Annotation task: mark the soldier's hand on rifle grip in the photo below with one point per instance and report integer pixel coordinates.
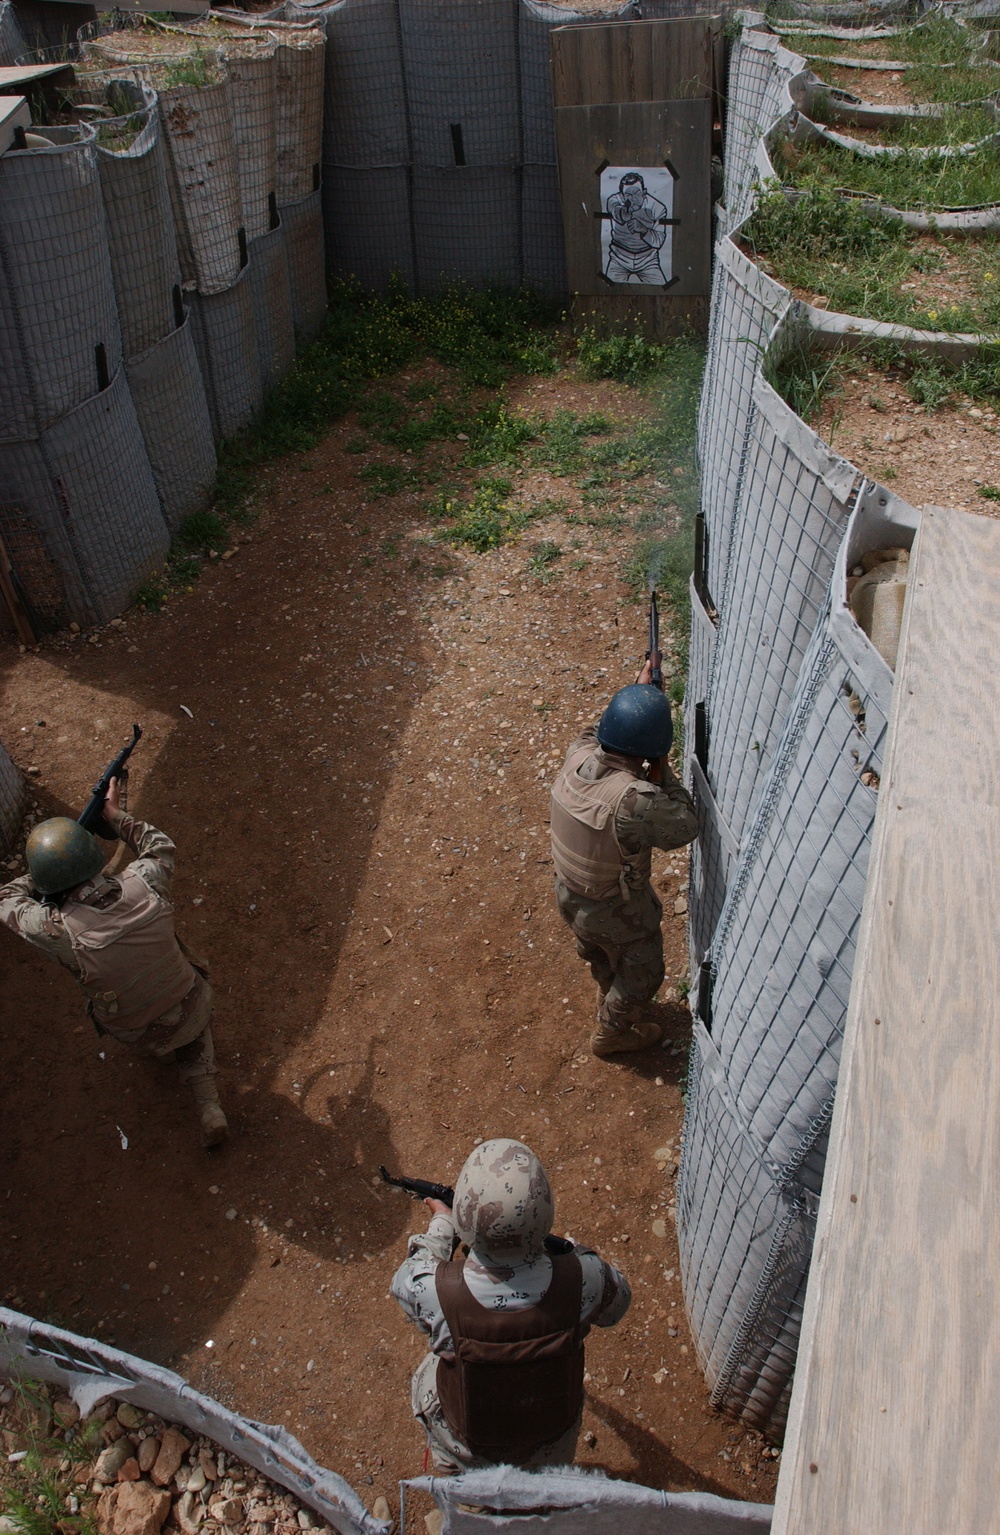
(649, 666)
(437, 1207)
(112, 800)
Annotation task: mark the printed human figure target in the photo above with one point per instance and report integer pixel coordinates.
(637, 206)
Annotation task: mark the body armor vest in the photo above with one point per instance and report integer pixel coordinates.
(131, 966)
(514, 1381)
(585, 848)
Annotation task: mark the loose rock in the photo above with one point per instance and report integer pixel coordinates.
(111, 1460)
(173, 1448)
(129, 1416)
(149, 1449)
(133, 1508)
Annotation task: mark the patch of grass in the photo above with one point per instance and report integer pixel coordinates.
(902, 181)
(193, 70)
(36, 1490)
(489, 519)
(803, 376)
(421, 389)
(931, 384)
(543, 556)
(497, 435)
(387, 480)
(990, 492)
(866, 263)
(562, 441)
(628, 358)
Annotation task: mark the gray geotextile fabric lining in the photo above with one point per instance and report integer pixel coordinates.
(462, 78)
(12, 800)
(172, 408)
(366, 119)
(12, 40)
(141, 235)
(366, 215)
(272, 306)
(225, 338)
(543, 251)
(467, 225)
(60, 339)
(303, 226)
(85, 490)
(204, 183)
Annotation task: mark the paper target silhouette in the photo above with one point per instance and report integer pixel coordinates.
(637, 206)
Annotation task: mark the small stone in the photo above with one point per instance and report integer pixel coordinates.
(74, 628)
(680, 906)
(381, 1509)
(129, 1416)
(173, 1448)
(148, 1451)
(230, 1215)
(659, 1228)
(226, 1510)
(66, 1411)
(229, 554)
(34, 772)
(196, 1480)
(308, 1520)
(590, 1438)
(112, 1431)
(129, 1472)
(207, 1463)
(110, 1461)
(189, 1513)
(133, 1508)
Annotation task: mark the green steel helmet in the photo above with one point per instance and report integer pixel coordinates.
(637, 722)
(61, 854)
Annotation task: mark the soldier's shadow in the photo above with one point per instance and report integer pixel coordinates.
(655, 1463)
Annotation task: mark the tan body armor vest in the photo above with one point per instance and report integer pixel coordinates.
(585, 849)
(514, 1381)
(131, 966)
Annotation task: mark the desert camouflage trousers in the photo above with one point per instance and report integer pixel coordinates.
(448, 1453)
(622, 943)
(182, 1035)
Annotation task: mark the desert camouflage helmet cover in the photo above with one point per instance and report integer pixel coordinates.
(503, 1205)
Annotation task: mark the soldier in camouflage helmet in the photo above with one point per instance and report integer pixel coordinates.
(116, 936)
(503, 1381)
(614, 800)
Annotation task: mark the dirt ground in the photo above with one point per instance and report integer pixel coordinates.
(930, 459)
(351, 740)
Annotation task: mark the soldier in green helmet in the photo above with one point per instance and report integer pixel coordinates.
(115, 934)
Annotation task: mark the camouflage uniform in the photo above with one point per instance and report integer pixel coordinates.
(181, 1032)
(618, 932)
(503, 1210)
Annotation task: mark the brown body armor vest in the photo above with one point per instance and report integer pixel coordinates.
(514, 1382)
(585, 848)
(131, 966)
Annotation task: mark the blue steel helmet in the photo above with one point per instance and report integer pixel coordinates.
(62, 855)
(637, 722)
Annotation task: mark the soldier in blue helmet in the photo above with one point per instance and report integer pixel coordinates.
(616, 799)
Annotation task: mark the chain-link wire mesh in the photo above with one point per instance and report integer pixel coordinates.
(12, 800)
(79, 512)
(785, 723)
(299, 64)
(439, 157)
(225, 338)
(745, 1245)
(272, 306)
(303, 226)
(792, 509)
(60, 340)
(12, 40)
(172, 408)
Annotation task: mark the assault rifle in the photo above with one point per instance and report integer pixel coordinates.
(93, 818)
(420, 1188)
(653, 653)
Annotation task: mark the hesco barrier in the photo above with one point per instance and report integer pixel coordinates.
(498, 1501)
(12, 799)
(303, 226)
(272, 306)
(12, 40)
(786, 712)
(89, 1371)
(225, 338)
(176, 426)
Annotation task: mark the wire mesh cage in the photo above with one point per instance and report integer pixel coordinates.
(303, 226)
(60, 339)
(225, 338)
(272, 306)
(13, 44)
(172, 409)
(12, 800)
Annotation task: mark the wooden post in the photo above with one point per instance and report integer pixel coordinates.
(896, 1403)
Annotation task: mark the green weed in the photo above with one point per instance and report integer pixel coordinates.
(497, 435)
(562, 441)
(803, 376)
(192, 70)
(543, 556)
(628, 358)
(489, 519)
(387, 480)
(990, 492)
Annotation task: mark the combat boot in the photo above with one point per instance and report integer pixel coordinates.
(214, 1127)
(607, 1040)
